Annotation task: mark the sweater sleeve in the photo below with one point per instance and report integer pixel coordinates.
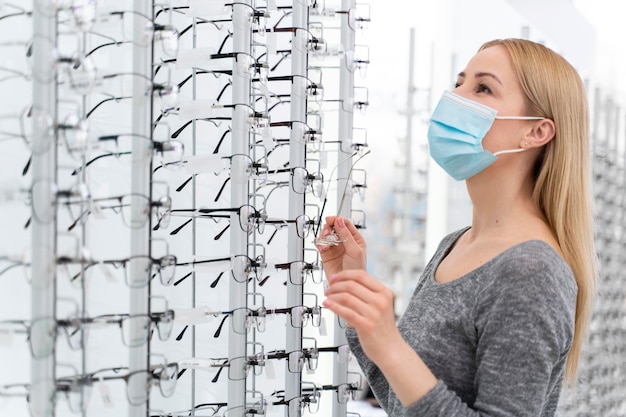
(524, 323)
(375, 378)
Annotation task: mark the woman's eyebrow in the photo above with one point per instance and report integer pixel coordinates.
(482, 74)
(488, 74)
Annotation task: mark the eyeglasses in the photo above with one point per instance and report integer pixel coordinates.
(214, 265)
(254, 168)
(333, 239)
(12, 391)
(345, 392)
(312, 133)
(77, 389)
(248, 216)
(123, 23)
(238, 368)
(314, 44)
(310, 356)
(198, 72)
(164, 267)
(12, 73)
(251, 218)
(13, 262)
(44, 408)
(240, 267)
(243, 319)
(9, 328)
(208, 110)
(72, 132)
(199, 164)
(45, 196)
(80, 71)
(212, 60)
(213, 121)
(138, 383)
(212, 408)
(167, 92)
(311, 394)
(77, 68)
(19, 11)
(33, 119)
(42, 332)
(193, 317)
(314, 90)
(300, 315)
(253, 406)
(300, 271)
(297, 359)
(170, 152)
(83, 12)
(303, 181)
(78, 269)
(358, 16)
(133, 216)
(310, 399)
(358, 219)
(208, 8)
(163, 323)
(303, 223)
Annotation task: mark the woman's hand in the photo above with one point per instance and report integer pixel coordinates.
(349, 253)
(367, 306)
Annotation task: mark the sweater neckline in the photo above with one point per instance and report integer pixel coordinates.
(454, 238)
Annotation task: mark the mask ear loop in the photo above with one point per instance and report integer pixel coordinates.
(516, 118)
(509, 151)
(520, 117)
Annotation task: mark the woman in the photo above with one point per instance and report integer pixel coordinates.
(499, 316)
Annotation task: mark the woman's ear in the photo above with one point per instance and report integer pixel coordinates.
(541, 133)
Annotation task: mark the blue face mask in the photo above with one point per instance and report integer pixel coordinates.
(457, 128)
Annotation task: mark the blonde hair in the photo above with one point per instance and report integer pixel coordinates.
(562, 188)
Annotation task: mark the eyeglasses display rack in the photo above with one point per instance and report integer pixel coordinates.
(172, 162)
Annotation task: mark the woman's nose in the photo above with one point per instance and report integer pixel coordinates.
(461, 90)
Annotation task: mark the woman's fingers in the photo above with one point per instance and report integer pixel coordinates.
(349, 301)
(358, 292)
(350, 294)
(330, 221)
(326, 230)
(348, 252)
(354, 232)
(349, 315)
(343, 227)
(351, 241)
(346, 230)
(365, 305)
(356, 276)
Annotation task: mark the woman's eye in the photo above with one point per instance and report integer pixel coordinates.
(457, 85)
(482, 88)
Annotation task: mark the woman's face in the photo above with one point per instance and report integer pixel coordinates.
(490, 79)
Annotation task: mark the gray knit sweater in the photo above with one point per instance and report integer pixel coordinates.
(497, 338)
